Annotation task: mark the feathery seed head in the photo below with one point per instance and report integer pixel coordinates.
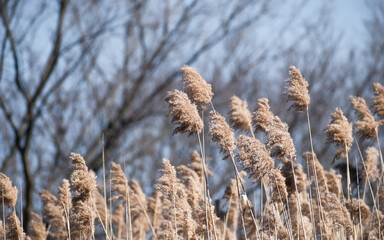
(83, 183)
(358, 208)
(65, 195)
(221, 133)
(184, 113)
(339, 132)
(378, 101)
(298, 90)
(240, 117)
(262, 115)
(37, 230)
(254, 157)
(197, 89)
(7, 192)
(279, 141)
(15, 231)
(366, 126)
(279, 192)
(371, 169)
(119, 182)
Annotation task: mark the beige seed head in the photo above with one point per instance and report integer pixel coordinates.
(279, 141)
(366, 126)
(197, 89)
(65, 195)
(378, 101)
(240, 117)
(339, 132)
(371, 162)
(358, 209)
(7, 192)
(15, 231)
(262, 115)
(254, 157)
(184, 113)
(221, 133)
(37, 230)
(297, 90)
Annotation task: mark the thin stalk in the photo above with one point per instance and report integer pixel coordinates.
(348, 174)
(207, 186)
(313, 220)
(315, 174)
(358, 196)
(241, 206)
(381, 154)
(370, 187)
(245, 194)
(105, 190)
(226, 219)
(204, 178)
(298, 200)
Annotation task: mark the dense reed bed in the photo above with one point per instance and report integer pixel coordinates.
(295, 200)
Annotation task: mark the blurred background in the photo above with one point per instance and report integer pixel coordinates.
(91, 76)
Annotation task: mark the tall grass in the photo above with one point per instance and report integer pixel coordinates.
(297, 201)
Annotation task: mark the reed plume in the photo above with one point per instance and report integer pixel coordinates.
(290, 177)
(83, 185)
(339, 132)
(8, 193)
(294, 213)
(297, 91)
(197, 89)
(254, 157)
(231, 194)
(366, 126)
(378, 101)
(334, 182)
(338, 214)
(221, 133)
(37, 230)
(321, 179)
(371, 170)
(240, 117)
(119, 182)
(279, 141)
(54, 215)
(65, 195)
(358, 209)
(14, 231)
(154, 209)
(3, 230)
(277, 181)
(184, 113)
(261, 115)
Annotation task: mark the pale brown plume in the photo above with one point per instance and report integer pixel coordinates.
(184, 113)
(8, 194)
(339, 132)
(37, 229)
(221, 133)
(378, 101)
(297, 91)
(198, 90)
(254, 157)
(366, 126)
(240, 117)
(83, 185)
(14, 231)
(262, 115)
(371, 162)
